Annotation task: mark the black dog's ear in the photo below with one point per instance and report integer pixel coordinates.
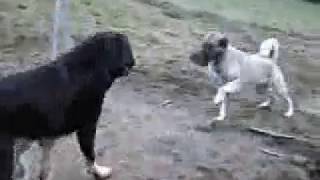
(223, 42)
(122, 37)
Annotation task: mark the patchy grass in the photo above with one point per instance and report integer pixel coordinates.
(284, 14)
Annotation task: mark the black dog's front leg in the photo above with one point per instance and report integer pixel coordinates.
(6, 157)
(86, 138)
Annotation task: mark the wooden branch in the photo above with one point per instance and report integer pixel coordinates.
(295, 159)
(272, 153)
(271, 133)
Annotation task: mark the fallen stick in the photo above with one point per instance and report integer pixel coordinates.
(295, 159)
(272, 133)
(272, 153)
(283, 136)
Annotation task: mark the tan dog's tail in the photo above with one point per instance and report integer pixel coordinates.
(269, 48)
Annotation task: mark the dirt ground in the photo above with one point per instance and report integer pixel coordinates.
(154, 124)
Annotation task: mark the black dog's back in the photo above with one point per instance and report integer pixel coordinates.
(31, 102)
(55, 99)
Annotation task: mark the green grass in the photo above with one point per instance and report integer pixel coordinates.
(90, 15)
(104, 15)
(283, 14)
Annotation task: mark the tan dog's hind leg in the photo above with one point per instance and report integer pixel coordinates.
(281, 87)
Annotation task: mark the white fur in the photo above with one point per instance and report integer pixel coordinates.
(223, 111)
(101, 171)
(239, 68)
(267, 46)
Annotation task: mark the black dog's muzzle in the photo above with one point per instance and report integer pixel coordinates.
(125, 71)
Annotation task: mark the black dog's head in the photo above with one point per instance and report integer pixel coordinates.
(213, 49)
(109, 52)
(117, 55)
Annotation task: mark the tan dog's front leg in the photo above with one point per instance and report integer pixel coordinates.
(222, 111)
(230, 87)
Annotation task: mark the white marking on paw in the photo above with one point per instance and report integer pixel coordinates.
(219, 118)
(264, 104)
(101, 171)
(288, 114)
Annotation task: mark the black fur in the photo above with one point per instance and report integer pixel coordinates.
(6, 157)
(271, 52)
(65, 96)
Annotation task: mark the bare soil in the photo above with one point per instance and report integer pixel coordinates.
(154, 124)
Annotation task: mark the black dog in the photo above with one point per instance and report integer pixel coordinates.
(66, 96)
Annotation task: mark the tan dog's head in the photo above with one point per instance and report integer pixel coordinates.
(213, 49)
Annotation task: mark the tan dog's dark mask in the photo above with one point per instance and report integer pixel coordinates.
(212, 50)
(199, 57)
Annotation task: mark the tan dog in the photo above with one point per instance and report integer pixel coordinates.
(230, 69)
